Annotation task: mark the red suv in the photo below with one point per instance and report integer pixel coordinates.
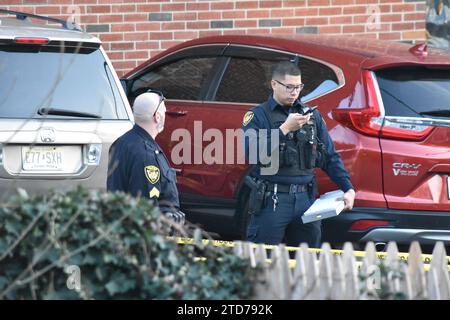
(386, 106)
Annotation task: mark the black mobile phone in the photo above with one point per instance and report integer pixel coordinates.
(310, 110)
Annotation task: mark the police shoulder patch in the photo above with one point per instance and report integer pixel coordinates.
(248, 117)
(152, 174)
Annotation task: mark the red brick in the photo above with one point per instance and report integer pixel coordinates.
(147, 45)
(385, 8)
(136, 55)
(26, 9)
(10, 2)
(124, 8)
(316, 21)
(390, 36)
(110, 1)
(222, 5)
(391, 17)
(174, 7)
(315, 3)
(419, 25)
(270, 4)
(177, 16)
(161, 35)
(231, 32)
(124, 65)
(108, 37)
(148, 26)
(48, 10)
(341, 20)
(414, 35)
(186, 35)
(116, 55)
(330, 29)
(362, 18)
(245, 23)
(148, 8)
(293, 22)
(294, 3)
(239, 14)
(402, 26)
(122, 45)
(78, 2)
(403, 7)
(110, 18)
(330, 11)
(197, 25)
(414, 16)
(246, 4)
(283, 30)
(136, 17)
(353, 29)
(169, 44)
(98, 9)
(258, 14)
(354, 10)
(208, 15)
(209, 33)
(173, 26)
(282, 13)
(60, 2)
(136, 36)
(197, 6)
(89, 19)
(306, 12)
(264, 32)
(122, 27)
(155, 52)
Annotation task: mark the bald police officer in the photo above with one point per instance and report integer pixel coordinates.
(137, 164)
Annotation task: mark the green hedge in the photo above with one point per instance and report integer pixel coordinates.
(118, 243)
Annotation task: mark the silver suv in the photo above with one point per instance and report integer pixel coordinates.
(61, 106)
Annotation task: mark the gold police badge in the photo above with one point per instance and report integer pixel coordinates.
(247, 118)
(152, 173)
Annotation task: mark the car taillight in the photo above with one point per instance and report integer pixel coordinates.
(362, 225)
(31, 40)
(371, 120)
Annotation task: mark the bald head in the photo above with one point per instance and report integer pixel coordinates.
(144, 106)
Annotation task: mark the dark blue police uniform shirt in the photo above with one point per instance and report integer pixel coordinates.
(137, 165)
(334, 166)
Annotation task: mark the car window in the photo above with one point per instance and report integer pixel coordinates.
(78, 82)
(182, 79)
(247, 80)
(410, 91)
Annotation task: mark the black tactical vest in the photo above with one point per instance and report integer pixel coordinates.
(298, 154)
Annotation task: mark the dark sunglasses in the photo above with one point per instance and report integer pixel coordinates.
(161, 98)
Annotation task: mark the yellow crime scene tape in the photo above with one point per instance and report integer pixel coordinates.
(426, 258)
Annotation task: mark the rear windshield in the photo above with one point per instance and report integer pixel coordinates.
(412, 92)
(78, 82)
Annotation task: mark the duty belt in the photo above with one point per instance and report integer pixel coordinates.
(294, 188)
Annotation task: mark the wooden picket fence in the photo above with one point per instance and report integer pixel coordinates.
(324, 275)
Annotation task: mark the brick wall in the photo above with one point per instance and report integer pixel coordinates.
(134, 30)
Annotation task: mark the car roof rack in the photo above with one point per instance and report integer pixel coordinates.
(24, 15)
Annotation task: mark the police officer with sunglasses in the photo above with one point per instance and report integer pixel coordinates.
(278, 199)
(138, 165)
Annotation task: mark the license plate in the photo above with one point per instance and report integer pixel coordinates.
(42, 158)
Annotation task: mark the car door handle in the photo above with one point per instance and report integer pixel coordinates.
(176, 113)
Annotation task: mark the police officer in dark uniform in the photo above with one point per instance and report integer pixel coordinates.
(278, 201)
(137, 164)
